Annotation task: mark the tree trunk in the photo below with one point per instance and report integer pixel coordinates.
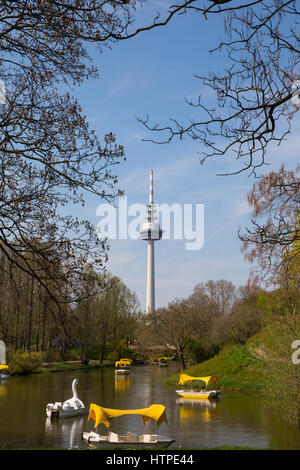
(101, 356)
(181, 359)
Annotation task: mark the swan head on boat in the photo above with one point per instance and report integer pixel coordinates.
(74, 388)
(73, 402)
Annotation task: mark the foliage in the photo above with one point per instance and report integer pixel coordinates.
(282, 379)
(235, 367)
(272, 243)
(199, 350)
(246, 319)
(51, 355)
(24, 363)
(215, 314)
(174, 325)
(108, 317)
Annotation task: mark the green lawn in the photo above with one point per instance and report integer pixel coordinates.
(235, 367)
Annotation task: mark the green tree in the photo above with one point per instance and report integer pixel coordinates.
(106, 315)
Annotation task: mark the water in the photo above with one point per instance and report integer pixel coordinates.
(237, 419)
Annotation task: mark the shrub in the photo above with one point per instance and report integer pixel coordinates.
(113, 356)
(199, 350)
(24, 363)
(51, 355)
(71, 355)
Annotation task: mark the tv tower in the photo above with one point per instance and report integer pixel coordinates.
(151, 231)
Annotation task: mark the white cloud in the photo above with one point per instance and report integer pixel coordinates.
(241, 208)
(120, 87)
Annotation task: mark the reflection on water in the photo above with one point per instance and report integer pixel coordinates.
(3, 389)
(236, 419)
(187, 412)
(67, 430)
(203, 409)
(122, 382)
(197, 402)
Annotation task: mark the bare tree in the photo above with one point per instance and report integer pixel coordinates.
(273, 239)
(273, 242)
(174, 325)
(255, 98)
(49, 157)
(215, 297)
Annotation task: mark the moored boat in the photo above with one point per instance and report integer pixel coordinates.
(130, 440)
(3, 368)
(104, 415)
(163, 361)
(198, 394)
(126, 360)
(122, 366)
(71, 407)
(201, 394)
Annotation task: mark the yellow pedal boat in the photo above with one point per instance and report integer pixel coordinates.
(200, 394)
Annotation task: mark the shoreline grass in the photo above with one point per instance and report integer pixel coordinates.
(236, 368)
(71, 365)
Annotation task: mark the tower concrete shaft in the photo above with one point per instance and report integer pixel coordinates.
(151, 231)
(150, 297)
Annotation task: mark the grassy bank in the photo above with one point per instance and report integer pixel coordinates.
(236, 368)
(71, 365)
(32, 363)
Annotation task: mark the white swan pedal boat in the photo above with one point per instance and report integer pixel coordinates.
(130, 440)
(198, 394)
(71, 407)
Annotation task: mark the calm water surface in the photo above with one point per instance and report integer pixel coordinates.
(237, 419)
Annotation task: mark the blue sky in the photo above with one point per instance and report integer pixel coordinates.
(151, 74)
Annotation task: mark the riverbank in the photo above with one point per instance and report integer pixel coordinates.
(236, 367)
(71, 365)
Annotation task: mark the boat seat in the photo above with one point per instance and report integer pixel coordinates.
(149, 438)
(132, 437)
(113, 437)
